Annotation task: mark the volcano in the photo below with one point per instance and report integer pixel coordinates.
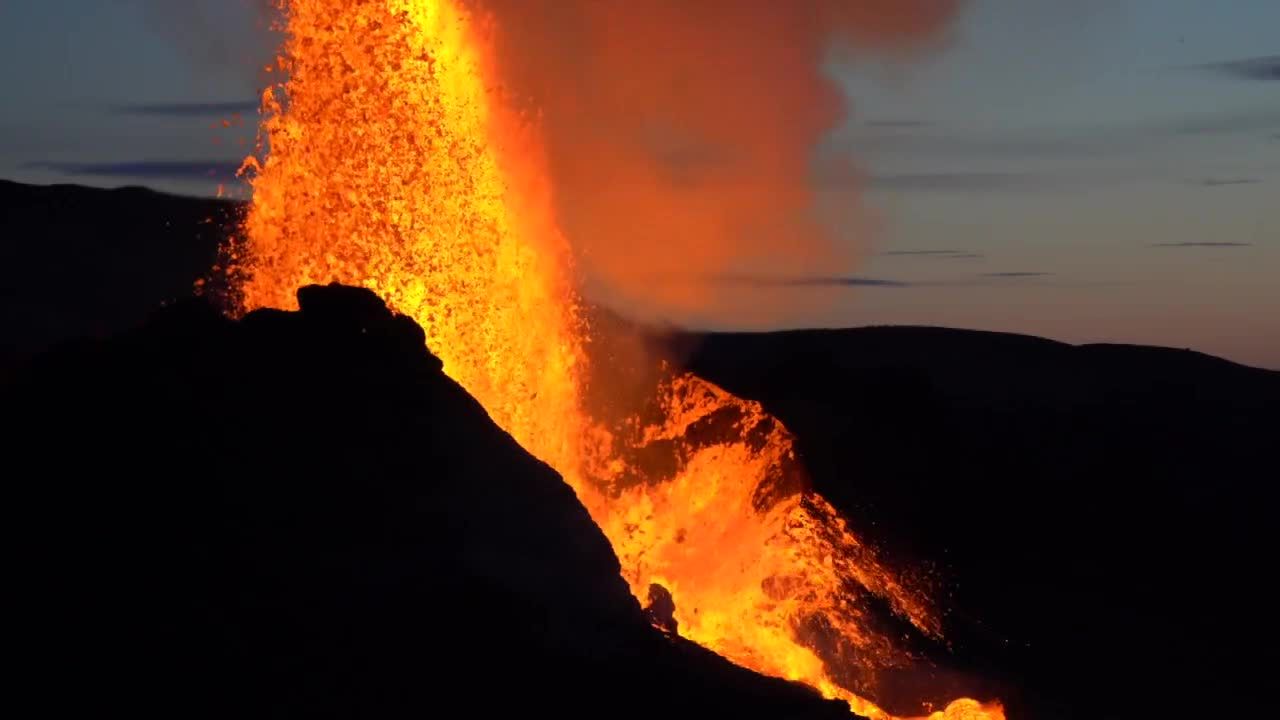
(1154, 460)
(396, 165)
(384, 550)
(408, 257)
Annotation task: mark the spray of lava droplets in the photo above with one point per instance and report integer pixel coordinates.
(392, 165)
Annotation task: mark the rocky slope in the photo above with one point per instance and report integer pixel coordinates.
(298, 514)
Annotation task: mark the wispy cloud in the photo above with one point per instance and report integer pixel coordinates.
(1264, 68)
(936, 254)
(955, 181)
(216, 170)
(960, 146)
(1226, 122)
(1214, 182)
(984, 280)
(810, 281)
(996, 280)
(189, 109)
(939, 141)
(1201, 245)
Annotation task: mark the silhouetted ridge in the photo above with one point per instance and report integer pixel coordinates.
(1099, 506)
(78, 261)
(298, 515)
(1098, 516)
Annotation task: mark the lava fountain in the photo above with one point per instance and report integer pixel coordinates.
(392, 162)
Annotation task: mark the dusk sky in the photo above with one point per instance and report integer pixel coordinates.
(1092, 171)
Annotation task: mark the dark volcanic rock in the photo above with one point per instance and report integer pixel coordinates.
(1098, 514)
(298, 514)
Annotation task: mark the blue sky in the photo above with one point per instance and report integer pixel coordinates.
(1099, 170)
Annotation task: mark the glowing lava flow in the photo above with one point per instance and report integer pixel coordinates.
(392, 166)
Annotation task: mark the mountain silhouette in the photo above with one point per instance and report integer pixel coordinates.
(297, 514)
(1098, 509)
(1096, 519)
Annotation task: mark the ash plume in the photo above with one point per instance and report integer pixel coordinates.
(680, 133)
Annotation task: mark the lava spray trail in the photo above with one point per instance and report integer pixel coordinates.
(396, 163)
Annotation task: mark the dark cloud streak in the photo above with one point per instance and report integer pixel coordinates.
(815, 281)
(960, 146)
(214, 170)
(189, 109)
(1211, 182)
(955, 181)
(1222, 123)
(1201, 245)
(936, 254)
(985, 280)
(1265, 68)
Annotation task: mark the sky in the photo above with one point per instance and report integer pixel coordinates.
(1093, 171)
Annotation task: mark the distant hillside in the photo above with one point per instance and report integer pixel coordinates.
(81, 261)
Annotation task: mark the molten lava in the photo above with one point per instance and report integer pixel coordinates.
(395, 164)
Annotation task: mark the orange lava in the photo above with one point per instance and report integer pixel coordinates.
(394, 165)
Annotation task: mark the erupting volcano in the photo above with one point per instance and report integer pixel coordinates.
(395, 159)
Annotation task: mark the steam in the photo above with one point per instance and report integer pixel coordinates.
(680, 133)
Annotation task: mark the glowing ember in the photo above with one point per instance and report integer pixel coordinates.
(392, 165)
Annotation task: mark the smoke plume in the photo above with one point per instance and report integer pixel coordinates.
(680, 133)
